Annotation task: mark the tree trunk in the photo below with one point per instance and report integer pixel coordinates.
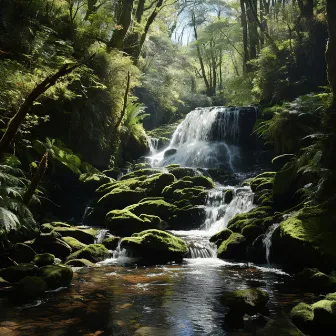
(252, 28)
(36, 180)
(125, 8)
(15, 123)
(244, 26)
(331, 48)
(125, 100)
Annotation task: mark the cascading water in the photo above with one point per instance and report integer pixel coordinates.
(206, 138)
(267, 241)
(153, 144)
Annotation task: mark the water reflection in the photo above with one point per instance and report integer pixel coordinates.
(169, 300)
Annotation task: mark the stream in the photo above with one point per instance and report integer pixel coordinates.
(119, 297)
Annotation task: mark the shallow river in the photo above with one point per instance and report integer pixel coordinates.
(115, 299)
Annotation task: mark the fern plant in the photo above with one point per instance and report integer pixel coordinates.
(14, 214)
(134, 115)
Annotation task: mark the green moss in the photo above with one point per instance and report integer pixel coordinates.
(80, 263)
(195, 196)
(164, 131)
(119, 198)
(141, 172)
(86, 236)
(325, 316)
(31, 287)
(262, 181)
(74, 243)
(180, 172)
(302, 316)
(158, 208)
(173, 165)
(56, 276)
(49, 227)
(331, 297)
(180, 184)
(92, 252)
(233, 248)
(44, 259)
(282, 327)
(187, 217)
(219, 237)
(156, 244)
(200, 181)
(111, 243)
(93, 181)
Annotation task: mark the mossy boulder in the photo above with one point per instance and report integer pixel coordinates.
(246, 301)
(302, 316)
(79, 263)
(85, 236)
(155, 207)
(200, 181)
(169, 152)
(156, 246)
(92, 252)
(221, 236)
(168, 191)
(228, 196)
(195, 196)
(325, 316)
(280, 326)
(306, 239)
(30, 287)
(125, 222)
(111, 243)
(49, 227)
(233, 248)
(187, 218)
(56, 276)
(21, 253)
(73, 243)
(262, 181)
(50, 244)
(44, 259)
(141, 172)
(180, 172)
(16, 273)
(94, 181)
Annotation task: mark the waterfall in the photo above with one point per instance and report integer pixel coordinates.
(267, 241)
(153, 144)
(86, 211)
(101, 235)
(206, 138)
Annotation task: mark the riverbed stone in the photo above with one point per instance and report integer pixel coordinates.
(56, 275)
(125, 222)
(92, 252)
(233, 248)
(156, 246)
(221, 236)
(79, 263)
(44, 259)
(85, 236)
(16, 273)
(141, 172)
(200, 181)
(21, 253)
(280, 326)
(180, 172)
(49, 244)
(302, 316)
(111, 242)
(73, 243)
(30, 287)
(169, 152)
(188, 217)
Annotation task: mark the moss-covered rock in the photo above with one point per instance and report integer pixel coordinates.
(44, 259)
(30, 287)
(111, 243)
(4, 283)
(79, 263)
(85, 236)
(180, 172)
(302, 316)
(21, 253)
(228, 196)
(187, 217)
(56, 276)
(325, 316)
(156, 246)
(262, 181)
(141, 172)
(94, 181)
(195, 196)
(169, 152)
(306, 239)
(16, 273)
(50, 244)
(233, 248)
(280, 326)
(154, 207)
(221, 236)
(246, 301)
(92, 252)
(200, 181)
(125, 222)
(49, 227)
(168, 191)
(73, 243)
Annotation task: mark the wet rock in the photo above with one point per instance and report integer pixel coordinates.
(80, 263)
(50, 244)
(56, 276)
(325, 316)
(187, 218)
(246, 301)
(302, 316)
(73, 243)
(156, 246)
(92, 252)
(180, 172)
(30, 287)
(233, 248)
(44, 259)
(111, 243)
(21, 253)
(228, 197)
(169, 152)
(280, 326)
(16, 273)
(85, 236)
(221, 236)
